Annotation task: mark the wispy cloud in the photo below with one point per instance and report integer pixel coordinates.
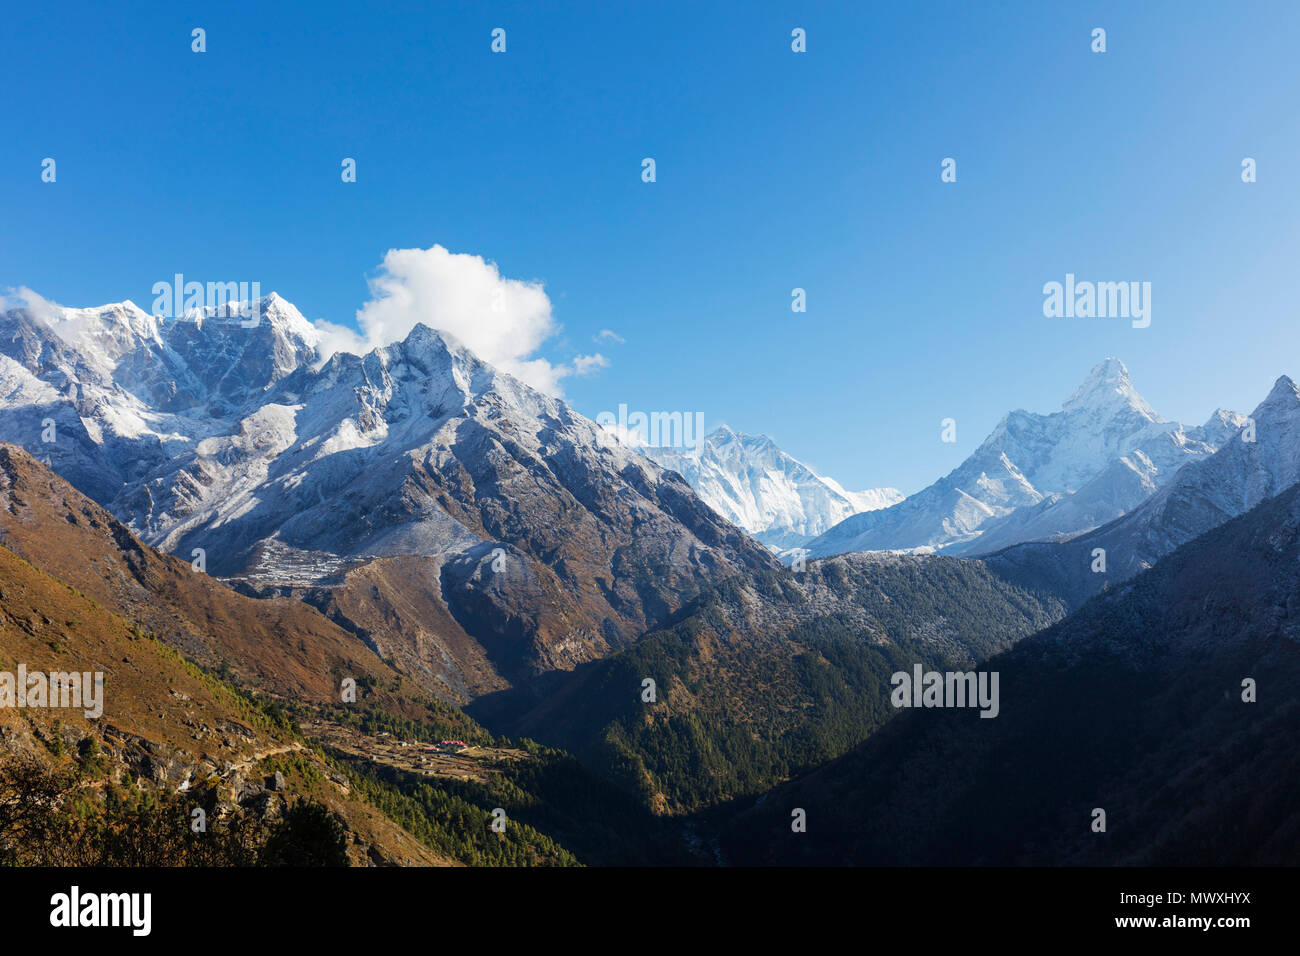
(587, 364)
(23, 297)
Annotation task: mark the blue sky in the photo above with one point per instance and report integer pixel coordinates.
(775, 170)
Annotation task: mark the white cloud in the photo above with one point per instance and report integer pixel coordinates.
(503, 321)
(586, 364)
(622, 435)
(34, 302)
(608, 335)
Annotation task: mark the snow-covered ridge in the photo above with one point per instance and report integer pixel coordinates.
(755, 485)
(1041, 477)
(1253, 463)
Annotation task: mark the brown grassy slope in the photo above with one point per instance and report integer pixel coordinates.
(397, 603)
(165, 724)
(279, 645)
(150, 693)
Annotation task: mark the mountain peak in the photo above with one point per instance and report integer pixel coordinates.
(1285, 382)
(114, 313)
(1284, 395)
(423, 334)
(102, 333)
(281, 314)
(426, 343)
(753, 483)
(1108, 387)
(725, 434)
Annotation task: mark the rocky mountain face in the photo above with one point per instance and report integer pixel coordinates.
(543, 540)
(756, 486)
(1168, 703)
(1042, 477)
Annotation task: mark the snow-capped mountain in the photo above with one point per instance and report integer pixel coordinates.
(539, 541)
(1042, 476)
(126, 390)
(755, 485)
(1253, 464)
(1207, 493)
